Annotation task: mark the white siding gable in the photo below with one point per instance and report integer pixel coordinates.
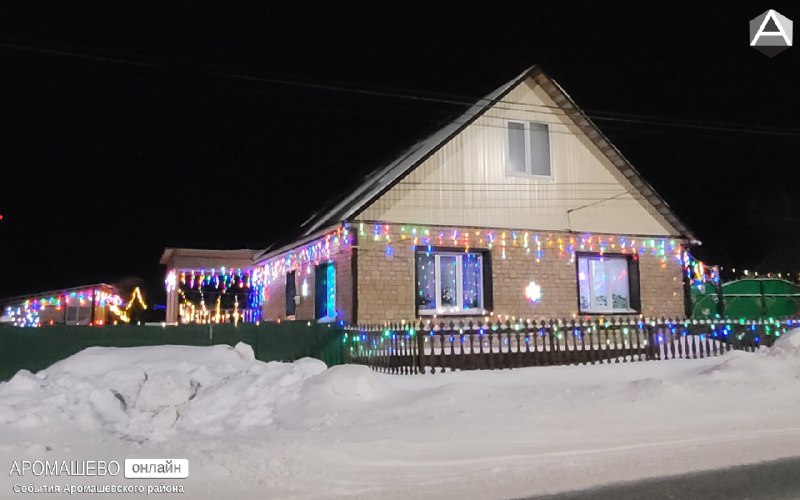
(467, 181)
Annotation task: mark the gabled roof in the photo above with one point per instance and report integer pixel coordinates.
(382, 179)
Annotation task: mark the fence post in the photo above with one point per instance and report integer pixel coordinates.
(420, 340)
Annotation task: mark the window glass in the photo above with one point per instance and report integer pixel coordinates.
(598, 277)
(617, 276)
(529, 148)
(291, 292)
(325, 291)
(604, 284)
(449, 282)
(448, 293)
(331, 290)
(471, 287)
(426, 281)
(583, 284)
(539, 140)
(516, 148)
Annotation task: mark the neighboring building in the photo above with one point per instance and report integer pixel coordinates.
(97, 304)
(520, 207)
(210, 286)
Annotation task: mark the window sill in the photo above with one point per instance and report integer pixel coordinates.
(525, 175)
(465, 312)
(611, 311)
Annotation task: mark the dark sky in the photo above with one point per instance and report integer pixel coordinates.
(125, 128)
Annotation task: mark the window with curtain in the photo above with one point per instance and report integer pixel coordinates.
(608, 284)
(449, 282)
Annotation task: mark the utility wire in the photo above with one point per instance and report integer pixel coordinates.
(446, 99)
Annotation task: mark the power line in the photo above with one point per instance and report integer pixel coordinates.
(447, 99)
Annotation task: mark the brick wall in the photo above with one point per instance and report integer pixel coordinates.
(386, 280)
(274, 305)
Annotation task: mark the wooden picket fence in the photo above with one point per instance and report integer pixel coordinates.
(427, 347)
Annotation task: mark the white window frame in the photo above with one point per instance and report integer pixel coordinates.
(594, 309)
(526, 124)
(458, 308)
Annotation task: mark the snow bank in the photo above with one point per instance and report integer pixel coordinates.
(154, 393)
(788, 345)
(299, 430)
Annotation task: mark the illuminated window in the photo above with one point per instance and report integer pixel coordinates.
(608, 284)
(528, 148)
(325, 292)
(449, 282)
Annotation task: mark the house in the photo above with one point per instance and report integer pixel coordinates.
(96, 304)
(520, 207)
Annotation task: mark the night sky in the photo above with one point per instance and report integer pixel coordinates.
(125, 129)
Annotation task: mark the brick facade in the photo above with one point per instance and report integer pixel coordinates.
(386, 279)
(274, 305)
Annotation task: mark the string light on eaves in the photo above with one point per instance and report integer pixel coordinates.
(28, 313)
(536, 243)
(303, 259)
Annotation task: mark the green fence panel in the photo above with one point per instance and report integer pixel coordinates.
(37, 348)
(748, 298)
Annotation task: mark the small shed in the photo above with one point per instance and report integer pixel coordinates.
(95, 304)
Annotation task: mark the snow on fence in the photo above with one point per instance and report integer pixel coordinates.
(425, 347)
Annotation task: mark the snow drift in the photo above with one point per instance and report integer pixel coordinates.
(302, 430)
(154, 393)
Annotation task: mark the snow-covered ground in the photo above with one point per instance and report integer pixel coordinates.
(299, 430)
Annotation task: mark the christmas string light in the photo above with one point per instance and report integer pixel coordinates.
(304, 258)
(564, 245)
(28, 313)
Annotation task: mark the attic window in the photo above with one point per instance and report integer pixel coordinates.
(528, 148)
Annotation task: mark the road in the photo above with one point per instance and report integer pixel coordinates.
(776, 480)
